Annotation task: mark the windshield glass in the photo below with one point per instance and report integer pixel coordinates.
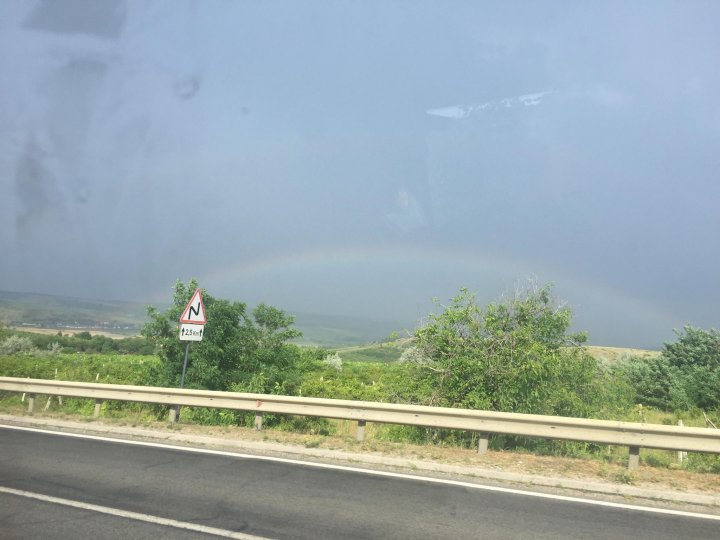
(357, 159)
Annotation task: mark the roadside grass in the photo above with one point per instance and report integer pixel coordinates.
(104, 368)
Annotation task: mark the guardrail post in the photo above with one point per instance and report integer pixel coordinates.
(634, 458)
(31, 403)
(258, 420)
(98, 404)
(682, 455)
(173, 415)
(360, 433)
(483, 443)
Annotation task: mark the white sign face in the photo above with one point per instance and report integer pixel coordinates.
(191, 332)
(194, 311)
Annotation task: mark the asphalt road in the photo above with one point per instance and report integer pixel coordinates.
(275, 499)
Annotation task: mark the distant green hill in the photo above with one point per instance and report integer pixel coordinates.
(59, 312)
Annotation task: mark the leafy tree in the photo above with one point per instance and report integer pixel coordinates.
(696, 358)
(514, 356)
(685, 375)
(239, 351)
(654, 382)
(695, 347)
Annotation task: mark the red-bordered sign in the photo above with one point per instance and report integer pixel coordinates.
(195, 310)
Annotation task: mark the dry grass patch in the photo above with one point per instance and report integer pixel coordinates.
(614, 354)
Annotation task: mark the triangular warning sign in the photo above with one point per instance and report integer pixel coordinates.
(195, 310)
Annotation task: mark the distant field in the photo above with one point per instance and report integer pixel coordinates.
(69, 331)
(375, 352)
(613, 354)
(58, 313)
(32, 312)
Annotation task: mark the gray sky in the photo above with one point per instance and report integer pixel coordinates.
(360, 158)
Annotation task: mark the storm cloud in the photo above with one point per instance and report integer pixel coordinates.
(360, 158)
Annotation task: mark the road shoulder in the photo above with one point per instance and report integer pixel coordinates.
(487, 472)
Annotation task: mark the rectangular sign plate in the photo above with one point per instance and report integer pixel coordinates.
(191, 332)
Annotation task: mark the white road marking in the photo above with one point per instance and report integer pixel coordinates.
(131, 515)
(403, 476)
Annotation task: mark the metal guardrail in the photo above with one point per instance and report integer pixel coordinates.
(633, 435)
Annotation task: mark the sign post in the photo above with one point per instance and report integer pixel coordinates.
(192, 328)
(182, 377)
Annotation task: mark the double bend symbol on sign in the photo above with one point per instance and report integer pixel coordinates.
(195, 310)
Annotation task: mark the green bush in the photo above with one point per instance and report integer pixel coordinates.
(240, 351)
(515, 356)
(16, 345)
(83, 342)
(685, 375)
(705, 463)
(111, 369)
(654, 382)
